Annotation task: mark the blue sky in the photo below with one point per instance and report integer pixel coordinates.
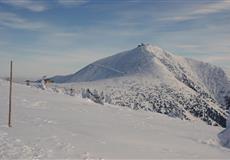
(49, 37)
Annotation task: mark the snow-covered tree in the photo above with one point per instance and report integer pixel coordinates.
(228, 123)
(72, 92)
(227, 100)
(92, 96)
(108, 99)
(43, 85)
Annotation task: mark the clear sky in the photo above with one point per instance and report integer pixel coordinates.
(49, 37)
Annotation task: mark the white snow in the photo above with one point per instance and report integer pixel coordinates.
(48, 125)
(224, 136)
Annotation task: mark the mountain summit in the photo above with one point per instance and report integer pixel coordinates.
(144, 58)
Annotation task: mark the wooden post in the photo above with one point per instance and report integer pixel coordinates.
(10, 93)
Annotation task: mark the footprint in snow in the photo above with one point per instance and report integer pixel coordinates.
(36, 104)
(41, 122)
(39, 104)
(87, 156)
(210, 141)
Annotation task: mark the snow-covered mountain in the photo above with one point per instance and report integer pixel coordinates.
(150, 78)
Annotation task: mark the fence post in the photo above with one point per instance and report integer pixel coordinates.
(10, 93)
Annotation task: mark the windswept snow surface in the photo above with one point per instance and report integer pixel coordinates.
(48, 125)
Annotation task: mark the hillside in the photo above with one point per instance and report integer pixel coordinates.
(152, 79)
(49, 125)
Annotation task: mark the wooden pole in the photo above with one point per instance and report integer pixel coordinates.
(10, 93)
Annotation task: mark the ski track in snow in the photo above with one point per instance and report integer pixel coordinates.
(47, 125)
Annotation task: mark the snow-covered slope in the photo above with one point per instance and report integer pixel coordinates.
(48, 125)
(169, 84)
(224, 136)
